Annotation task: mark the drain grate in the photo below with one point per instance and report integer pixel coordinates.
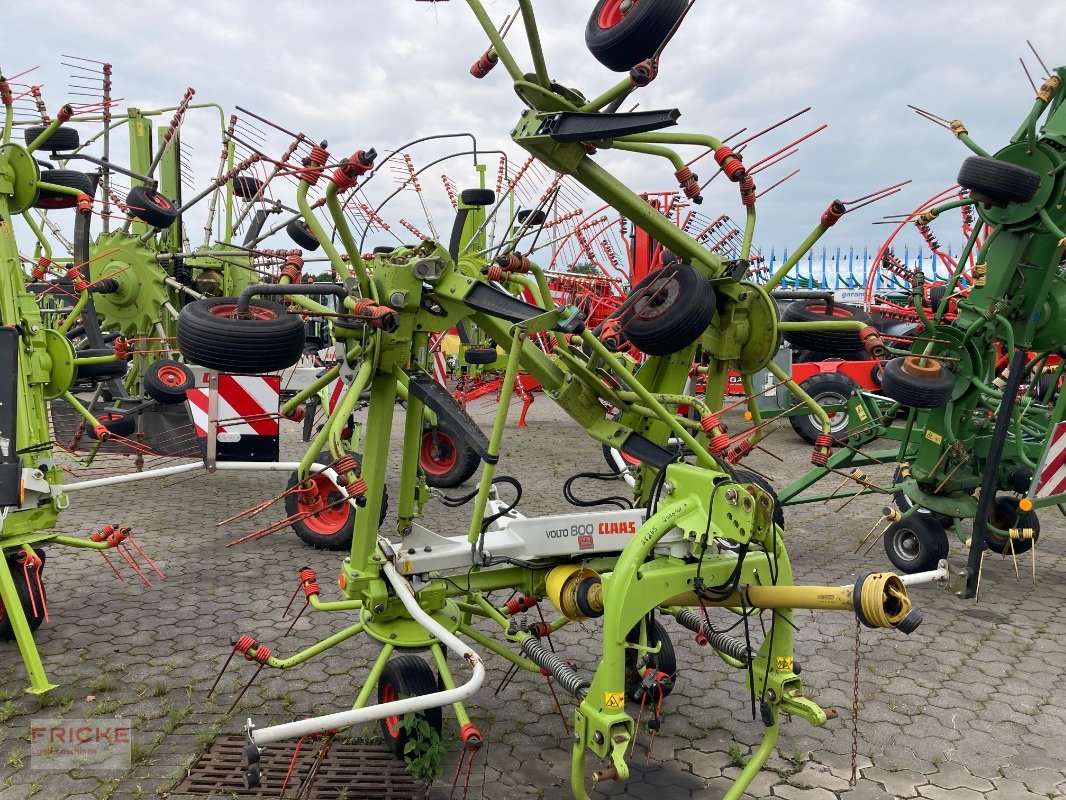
(353, 771)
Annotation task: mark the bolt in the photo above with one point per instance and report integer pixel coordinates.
(379, 608)
(597, 737)
(731, 496)
(668, 488)
(392, 635)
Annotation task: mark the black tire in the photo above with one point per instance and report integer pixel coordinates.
(937, 295)
(913, 391)
(331, 528)
(166, 381)
(480, 355)
(916, 544)
(663, 661)
(246, 187)
(477, 197)
(836, 344)
(998, 182)
(620, 42)
(746, 476)
(208, 336)
(70, 178)
(61, 140)
(94, 373)
(117, 424)
(826, 388)
(446, 459)
(1006, 515)
(151, 208)
(406, 676)
(531, 218)
(903, 503)
(673, 315)
(1047, 383)
(301, 233)
(7, 632)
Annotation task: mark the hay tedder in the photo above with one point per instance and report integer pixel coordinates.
(974, 409)
(700, 543)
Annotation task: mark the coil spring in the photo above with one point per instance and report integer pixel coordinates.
(345, 463)
(719, 641)
(567, 676)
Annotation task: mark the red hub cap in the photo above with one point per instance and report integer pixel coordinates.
(392, 723)
(842, 313)
(438, 454)
(229, 310)
(171, 376)
(613, 11)
(326, 519)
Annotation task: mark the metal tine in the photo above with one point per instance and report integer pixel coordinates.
(1038, 58)
(773, 186)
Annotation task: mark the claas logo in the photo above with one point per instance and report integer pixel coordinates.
(617, 527)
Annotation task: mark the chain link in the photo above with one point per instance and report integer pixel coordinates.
(855, 708)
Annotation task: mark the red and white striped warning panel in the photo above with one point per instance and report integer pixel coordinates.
(247, 416)
(440, 365)
(1051, 477)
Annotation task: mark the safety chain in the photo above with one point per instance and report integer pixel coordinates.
(855, 709)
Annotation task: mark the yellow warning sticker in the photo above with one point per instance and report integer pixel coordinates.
(784, 663)
(934, 437)
(860, 412)
(407, 565)
(614, 699)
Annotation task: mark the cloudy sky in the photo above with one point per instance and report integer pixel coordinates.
(362, 73)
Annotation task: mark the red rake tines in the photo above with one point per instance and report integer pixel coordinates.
(120, 539)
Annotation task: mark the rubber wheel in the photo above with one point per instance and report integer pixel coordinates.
(70, 178)
(903, 503)
(914, 391)
(403, 677)
(267, 340)
(246, 187)
(151, 207)
(814, 356)
(480, 355)
(674, 313)
(937, 295)
(477, 197)
(836, 344)
(916, 544)
(997, 182)
(531, 218)
(94, 373)
(331, 528)
(622, 33)
(827, 389)
(117, 424)
(1005, 515)
(7, 632)
(446, 459)
(1047, 383)
(61, 140)
(301, 233)
(746, 476)
(663, 661)
(166, 381)
(609, 458)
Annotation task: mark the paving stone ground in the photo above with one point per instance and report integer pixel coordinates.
(966, 707)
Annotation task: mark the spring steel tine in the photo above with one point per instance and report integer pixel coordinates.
(225, 666)
(1038, 58)
(274, 125)
(243, 690)
(118, 574)
(507, 676)
(296, 619)
(288, 605)
(128, 558)
(559, 708)
(144, 555)
(773, 186)
(1025, 69)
